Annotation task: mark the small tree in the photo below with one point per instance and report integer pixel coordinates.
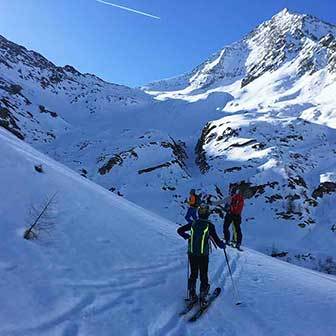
(42, 219)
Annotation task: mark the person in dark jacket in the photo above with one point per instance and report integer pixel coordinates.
(201, 231)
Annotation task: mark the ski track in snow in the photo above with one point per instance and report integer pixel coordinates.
(172, 324)
(148, 295)
(124, 289)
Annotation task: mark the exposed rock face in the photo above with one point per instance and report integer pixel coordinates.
(8, 121)
(324, 188)
(199, 150)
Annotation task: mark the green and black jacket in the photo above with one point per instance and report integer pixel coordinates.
(200, 232)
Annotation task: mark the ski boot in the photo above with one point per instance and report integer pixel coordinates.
(193, 298)
(239, 248)
(233, 243)
(203, 296)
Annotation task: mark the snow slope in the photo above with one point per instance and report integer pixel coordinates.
(110, 267)
(276, 135)
(260, 113)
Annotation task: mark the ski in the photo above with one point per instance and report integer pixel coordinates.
(202, 310)
(188, 308)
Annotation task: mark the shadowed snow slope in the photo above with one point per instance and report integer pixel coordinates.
(110, 267)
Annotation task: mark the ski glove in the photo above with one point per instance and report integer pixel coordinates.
(222, 245)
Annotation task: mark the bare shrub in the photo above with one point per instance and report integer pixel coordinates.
(41, 219)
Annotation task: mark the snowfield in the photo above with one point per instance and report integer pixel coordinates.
(110, 267)
(259, 114)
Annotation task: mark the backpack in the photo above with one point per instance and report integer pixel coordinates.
(199, 238)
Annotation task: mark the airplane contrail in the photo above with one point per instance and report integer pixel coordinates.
(129, 9)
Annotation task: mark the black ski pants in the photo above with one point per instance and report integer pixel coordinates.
(236, 220)
(198, 264)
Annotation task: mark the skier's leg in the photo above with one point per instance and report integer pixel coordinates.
(204, 264)
(234, 239)
(193, 275)
(226, 226)
(204, 287)
(237, 225)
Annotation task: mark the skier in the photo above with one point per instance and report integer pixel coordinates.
(193, 205)
(201, 230)
(234, 215)
(233, 206)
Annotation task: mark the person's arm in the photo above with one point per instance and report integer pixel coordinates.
(224, 200)
(182, 231)
(214, 236)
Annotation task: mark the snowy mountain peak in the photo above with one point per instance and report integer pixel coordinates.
(310, 26)
(286, 37)
(284, 12)
(285, 17)
(283, 22)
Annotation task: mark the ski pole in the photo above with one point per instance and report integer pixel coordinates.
(187, 278)
(187, 275)
(233, 284)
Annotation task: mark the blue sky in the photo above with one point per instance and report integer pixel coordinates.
(132, 49)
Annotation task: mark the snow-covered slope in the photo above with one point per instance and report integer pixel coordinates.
(110, 267)
(41, 101)
(102, 253)
(276, 137)
(117, 136)
(259, 113)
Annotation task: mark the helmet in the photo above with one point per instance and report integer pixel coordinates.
(203, 211)
(192, 191)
